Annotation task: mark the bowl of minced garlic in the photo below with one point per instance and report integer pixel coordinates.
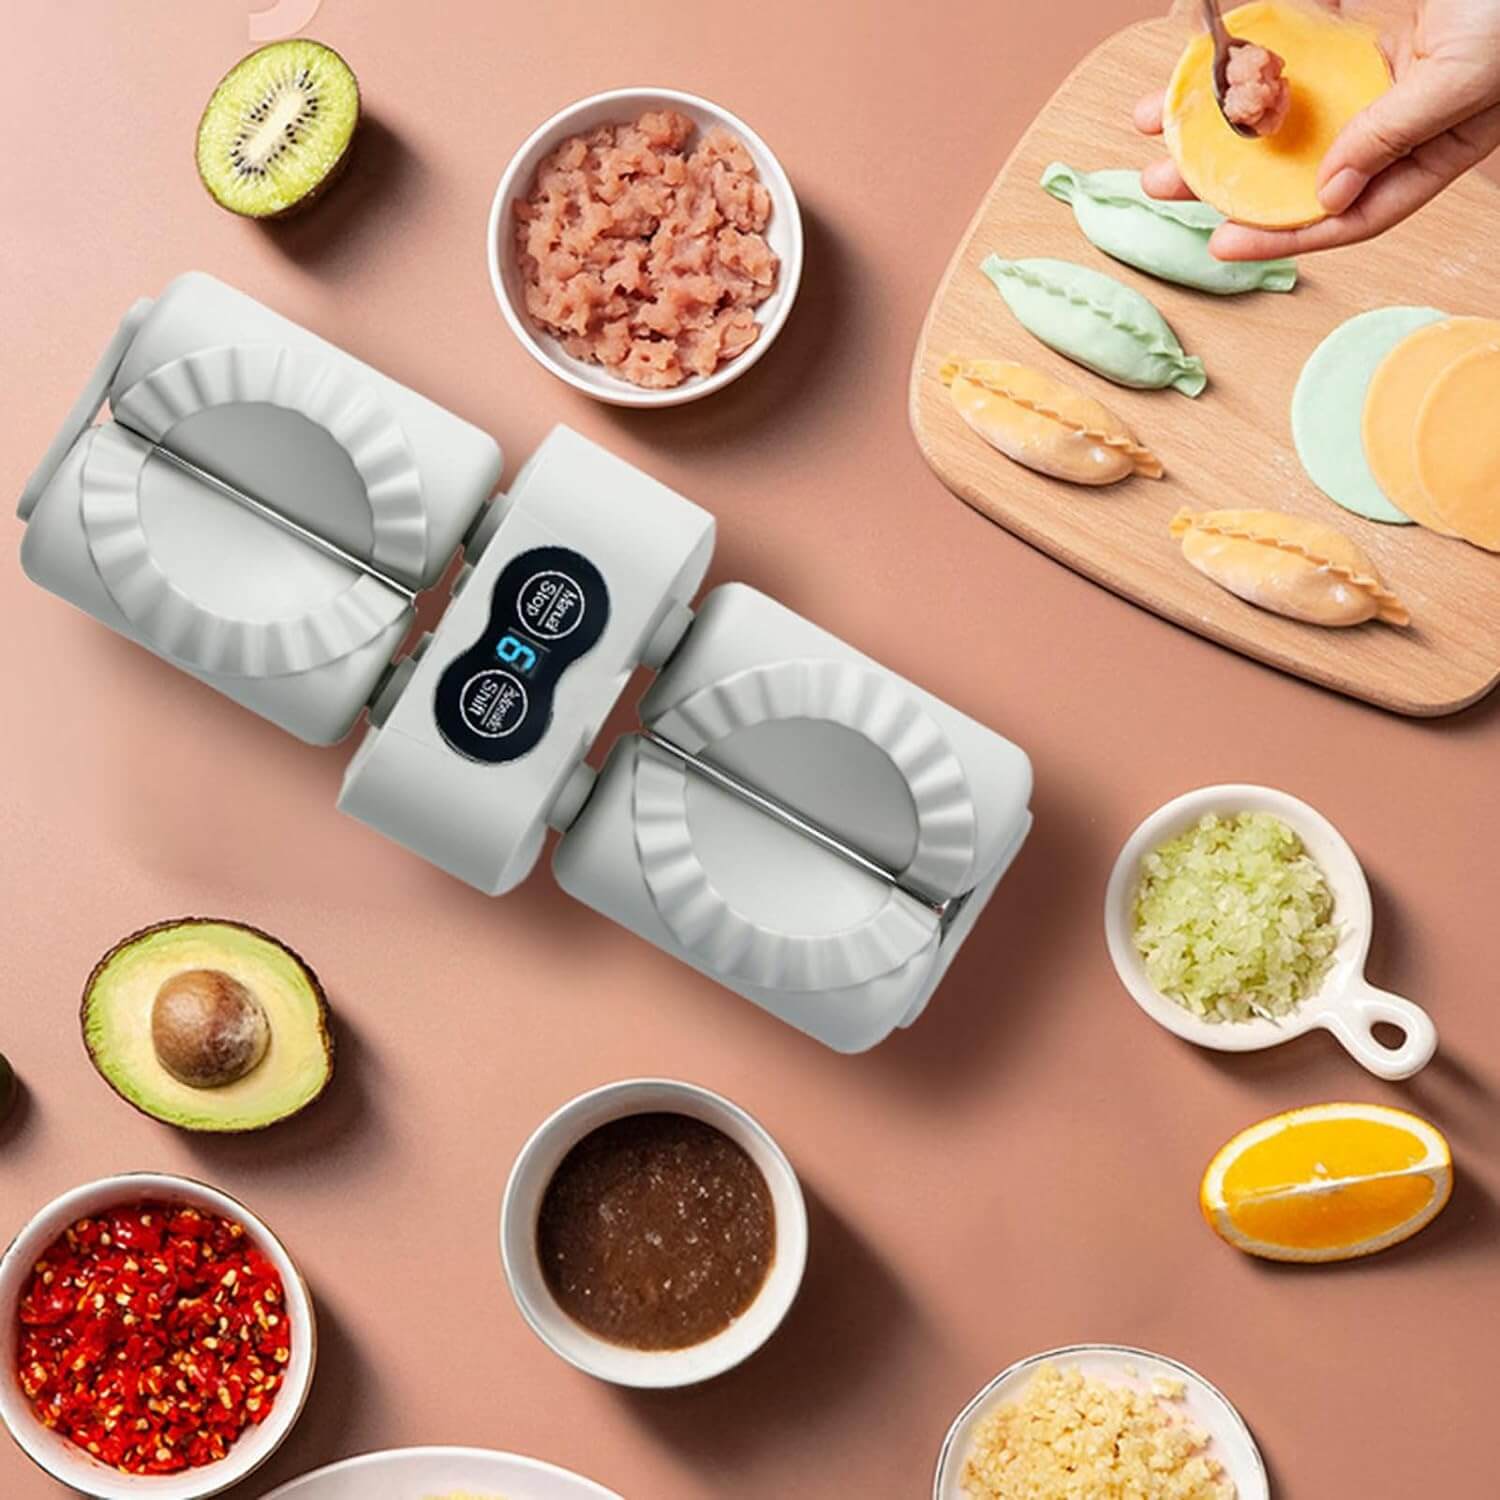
(1238, 917)
(1104, 1423)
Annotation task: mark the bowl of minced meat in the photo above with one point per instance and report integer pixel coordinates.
(645, 246)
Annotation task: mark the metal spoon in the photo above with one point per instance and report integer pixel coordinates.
(1222, 43)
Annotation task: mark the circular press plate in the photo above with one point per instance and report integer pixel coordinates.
(207, 582)
(761, 903)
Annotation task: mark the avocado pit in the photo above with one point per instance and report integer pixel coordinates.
(208, 1029)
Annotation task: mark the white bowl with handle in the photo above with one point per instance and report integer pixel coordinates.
(1345, 1002)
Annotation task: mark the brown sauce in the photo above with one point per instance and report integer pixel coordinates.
(656, 1232)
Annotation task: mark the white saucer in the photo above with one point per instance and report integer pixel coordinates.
(1229, 1438)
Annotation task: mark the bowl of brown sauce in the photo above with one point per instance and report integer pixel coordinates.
(653, 1233)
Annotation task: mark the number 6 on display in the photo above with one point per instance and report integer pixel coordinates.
(515, 653)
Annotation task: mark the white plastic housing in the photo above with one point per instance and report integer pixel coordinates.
(251, 608)
(798, 715)
(272, 409)
(486, 823)
(788, 706)
(269, 574)
(302, 627)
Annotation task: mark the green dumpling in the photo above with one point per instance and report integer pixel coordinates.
(1101, 323)
(1166, 239)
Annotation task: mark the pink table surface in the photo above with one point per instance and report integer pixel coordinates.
(1019, 1171)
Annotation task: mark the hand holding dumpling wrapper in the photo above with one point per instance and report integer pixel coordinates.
(1356, 154)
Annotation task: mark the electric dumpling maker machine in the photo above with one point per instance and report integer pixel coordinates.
(791, 819)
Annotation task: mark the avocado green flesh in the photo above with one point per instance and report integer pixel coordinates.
(117, 1026)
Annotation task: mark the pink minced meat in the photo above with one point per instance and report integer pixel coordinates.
(1256, 96)
(643, 256)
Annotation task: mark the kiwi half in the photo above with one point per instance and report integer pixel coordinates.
(277, 129)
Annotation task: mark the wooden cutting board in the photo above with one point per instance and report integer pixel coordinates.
(1232, 446)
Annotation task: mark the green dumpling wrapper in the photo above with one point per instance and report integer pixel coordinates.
(1165, 239)
(1101, 323)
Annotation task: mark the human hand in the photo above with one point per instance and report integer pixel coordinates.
(1439, 118)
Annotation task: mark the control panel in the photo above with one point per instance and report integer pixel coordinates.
(494, 700)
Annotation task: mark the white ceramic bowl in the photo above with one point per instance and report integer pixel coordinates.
(69, 1463)
(1345, 1003)
(540, 1158)
(783, 234)
(1230, 1440)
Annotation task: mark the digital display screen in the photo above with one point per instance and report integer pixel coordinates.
(494, 700)
(522, 656)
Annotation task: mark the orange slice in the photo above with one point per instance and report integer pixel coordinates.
(1331, 1182)
(1457, 446)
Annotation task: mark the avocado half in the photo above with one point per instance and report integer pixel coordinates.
(210, 983)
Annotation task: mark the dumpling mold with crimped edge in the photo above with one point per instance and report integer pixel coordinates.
(261, 509)
(1344, 1003)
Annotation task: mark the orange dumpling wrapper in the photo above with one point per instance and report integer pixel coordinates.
(1397, 395)
(1334, 68)
(1456, 447)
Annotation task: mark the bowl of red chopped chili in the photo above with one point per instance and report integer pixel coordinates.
(156, 1339)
